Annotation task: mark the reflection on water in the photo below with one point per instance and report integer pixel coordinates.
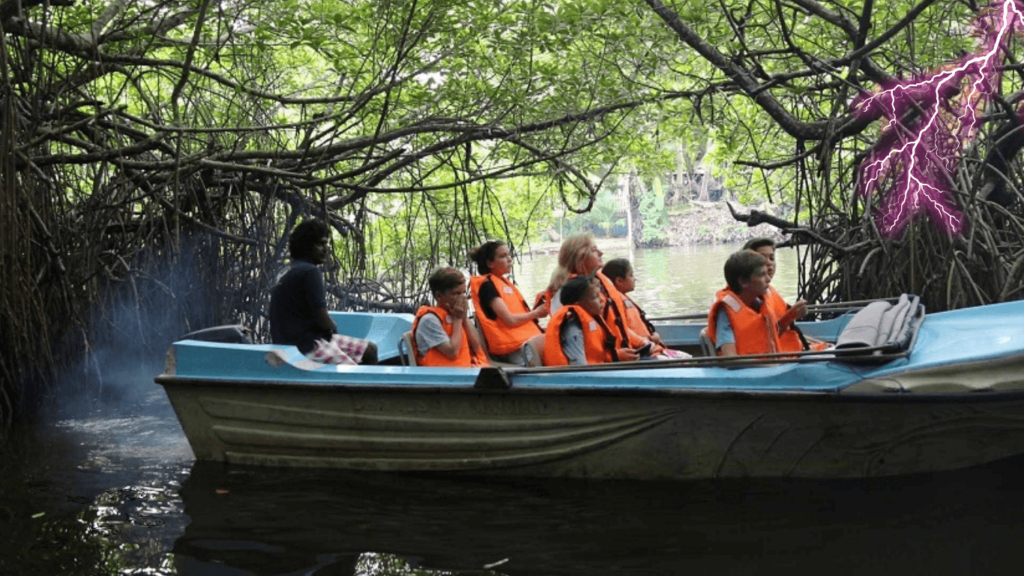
(98, 490)
(136, 509)
(274, 522)
(130, 515)
(676, 280)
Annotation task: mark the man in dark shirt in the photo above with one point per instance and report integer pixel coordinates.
(298, 303)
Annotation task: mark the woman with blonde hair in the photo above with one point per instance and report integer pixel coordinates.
(580, 256)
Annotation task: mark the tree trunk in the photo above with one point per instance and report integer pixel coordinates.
(636, 192)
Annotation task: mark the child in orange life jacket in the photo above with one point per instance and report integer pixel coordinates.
(504, 317)
(791, 339)
(740, 322)
(442, 334)
(577, 334)
(620, 272)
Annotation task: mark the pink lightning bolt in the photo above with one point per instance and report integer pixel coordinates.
(917, 156)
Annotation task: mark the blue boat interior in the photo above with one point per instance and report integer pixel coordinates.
(385, 330)
(942, 339)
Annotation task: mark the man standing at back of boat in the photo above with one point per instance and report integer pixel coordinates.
(298, 303)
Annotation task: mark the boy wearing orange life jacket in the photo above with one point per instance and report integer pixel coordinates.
(740, 322)
(442, 334)
(504, 317)
(790, 339)
(577, 334)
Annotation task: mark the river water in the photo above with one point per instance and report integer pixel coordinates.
(669, 281)
(109, 486)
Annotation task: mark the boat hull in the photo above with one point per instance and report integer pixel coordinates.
(663, 435)
(954, 399)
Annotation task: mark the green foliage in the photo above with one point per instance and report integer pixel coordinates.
(417, 127)
(414, 232)
(605, 210)
(652, 209)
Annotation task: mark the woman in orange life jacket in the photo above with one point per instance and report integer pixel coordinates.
(740, 322)
(620, 272)
(579, 256)
(442, 334)
(576, 333)
(792, 339)
(504, 317)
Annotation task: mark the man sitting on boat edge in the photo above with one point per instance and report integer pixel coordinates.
(442, 335)
(298, 303)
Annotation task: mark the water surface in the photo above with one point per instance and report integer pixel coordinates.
(158, 512)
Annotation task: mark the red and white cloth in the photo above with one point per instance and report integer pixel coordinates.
(339, 349)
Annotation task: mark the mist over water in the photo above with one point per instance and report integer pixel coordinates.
(132, 328)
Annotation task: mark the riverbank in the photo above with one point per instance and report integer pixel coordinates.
(712, 223)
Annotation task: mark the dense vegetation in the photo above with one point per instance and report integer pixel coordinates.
(156, 154)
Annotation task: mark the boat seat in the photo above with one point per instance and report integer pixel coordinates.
(487, 349)
(408, 357)
(405, 349)
(882, 326)
(707, 348)
(483, 339)
(533, 351)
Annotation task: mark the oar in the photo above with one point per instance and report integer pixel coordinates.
(500, 377)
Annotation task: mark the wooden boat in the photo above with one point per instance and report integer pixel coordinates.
(936, 392)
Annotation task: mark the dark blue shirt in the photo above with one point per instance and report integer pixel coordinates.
(294, 301)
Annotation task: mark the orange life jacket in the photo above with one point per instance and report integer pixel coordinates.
(789, 341)
(501, 338)
(756, 331)
(636, 320)
(598, 340)
(615, 314)
(435, 357)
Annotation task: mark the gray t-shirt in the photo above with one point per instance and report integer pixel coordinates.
(556, 302)
(430, 333)
(571, 339)
(723, 329)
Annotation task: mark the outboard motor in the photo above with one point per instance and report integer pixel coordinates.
(228, 333)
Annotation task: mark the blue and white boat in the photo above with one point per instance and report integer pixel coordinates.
(921, 393)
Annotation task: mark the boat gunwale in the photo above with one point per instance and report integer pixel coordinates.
(836, 395)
